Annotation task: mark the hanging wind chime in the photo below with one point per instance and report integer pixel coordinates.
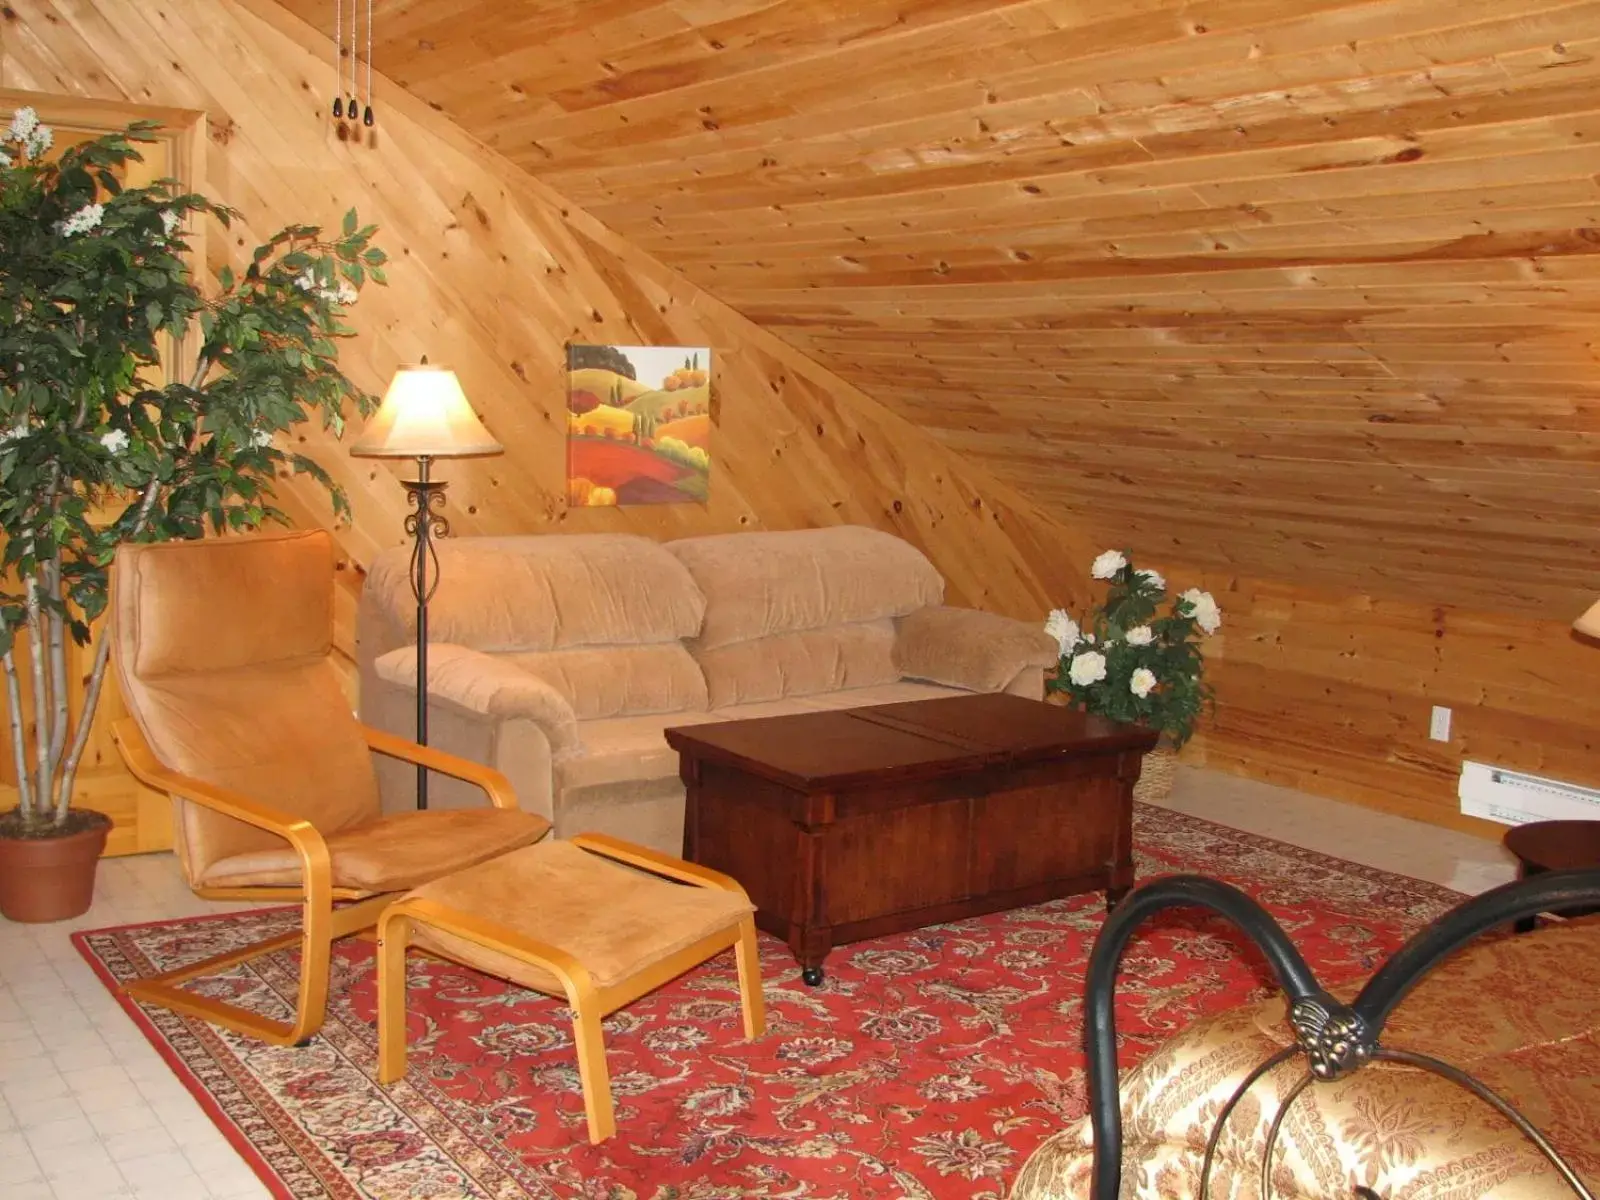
(349, 110)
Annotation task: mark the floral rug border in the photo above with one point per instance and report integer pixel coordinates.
(285, 1157)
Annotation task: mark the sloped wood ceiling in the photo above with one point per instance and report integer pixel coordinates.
(492, 273)
(1300, 289)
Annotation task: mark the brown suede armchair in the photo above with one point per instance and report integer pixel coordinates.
(223, 648)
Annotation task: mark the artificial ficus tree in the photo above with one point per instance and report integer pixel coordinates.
(95, 286)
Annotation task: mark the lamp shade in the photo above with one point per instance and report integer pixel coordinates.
(424, 414)
(1589, 623)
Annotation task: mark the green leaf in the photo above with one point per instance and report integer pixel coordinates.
(349, 222)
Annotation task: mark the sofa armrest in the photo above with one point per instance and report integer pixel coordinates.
(967, 648)
(488, 686)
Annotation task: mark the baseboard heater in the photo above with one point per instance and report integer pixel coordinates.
(1515, 797)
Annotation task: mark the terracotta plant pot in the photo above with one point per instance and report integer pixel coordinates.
(52, 878)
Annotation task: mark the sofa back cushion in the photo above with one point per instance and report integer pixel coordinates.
(803, 663)
(619, 681)
(545, 592)
(757, 584)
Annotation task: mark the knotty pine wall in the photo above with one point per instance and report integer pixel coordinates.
(1332, 694)
(492, 274)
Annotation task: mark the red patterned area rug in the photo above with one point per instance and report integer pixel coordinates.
(927, 1066)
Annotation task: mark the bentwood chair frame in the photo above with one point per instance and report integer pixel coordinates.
(328, 912)
(590, 1003)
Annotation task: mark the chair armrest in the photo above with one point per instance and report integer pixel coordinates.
(484, 684)
(655, 862)
(497, 786)
(967, 648)
(300, 833)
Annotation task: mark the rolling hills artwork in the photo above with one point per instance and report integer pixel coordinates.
(638, 424)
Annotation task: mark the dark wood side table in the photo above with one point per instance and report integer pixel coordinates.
(853, 823)
(1554, 846)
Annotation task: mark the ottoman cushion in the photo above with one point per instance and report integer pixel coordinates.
(614, 920)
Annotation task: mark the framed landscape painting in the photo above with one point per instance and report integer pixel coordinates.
(638, 424)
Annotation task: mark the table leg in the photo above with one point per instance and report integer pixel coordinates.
(1114, 896)
(811, 948)
(1526, 924)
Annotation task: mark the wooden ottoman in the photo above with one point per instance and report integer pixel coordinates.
(571, 918)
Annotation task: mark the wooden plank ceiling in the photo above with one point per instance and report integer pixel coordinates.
(1302, 289)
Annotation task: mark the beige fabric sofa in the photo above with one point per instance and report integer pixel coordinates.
(561, 658)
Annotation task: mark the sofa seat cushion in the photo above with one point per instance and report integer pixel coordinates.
(756, 584)
(618, 681)
(803, 663)
(545, 592)
(390, 853)
(1517, 1012)
(633, 749)
(883, 693)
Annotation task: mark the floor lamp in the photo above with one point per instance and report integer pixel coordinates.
(424, 415)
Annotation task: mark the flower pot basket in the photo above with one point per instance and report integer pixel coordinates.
(52, 878)
(1156, 775)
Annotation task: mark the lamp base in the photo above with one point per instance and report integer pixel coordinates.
(424, 523)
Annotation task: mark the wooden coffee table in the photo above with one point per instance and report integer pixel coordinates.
(854, 823)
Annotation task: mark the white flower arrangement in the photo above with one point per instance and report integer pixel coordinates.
(1203, 608)
(1088, 667)
(1142, 682)
(343, 293)
(1064, 629)
(1129, 661)
(1108, 564)
(25, 128)
(82, 221)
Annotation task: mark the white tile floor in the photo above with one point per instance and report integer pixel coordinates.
(89, 1110)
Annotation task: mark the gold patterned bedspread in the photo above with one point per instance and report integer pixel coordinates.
(1521, 1013)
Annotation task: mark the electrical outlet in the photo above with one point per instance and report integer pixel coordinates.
(1439, 725)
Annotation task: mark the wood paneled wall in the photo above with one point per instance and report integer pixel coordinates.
(493, 274)
(1201, 310)
(1295, 289)
(1332, 694)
